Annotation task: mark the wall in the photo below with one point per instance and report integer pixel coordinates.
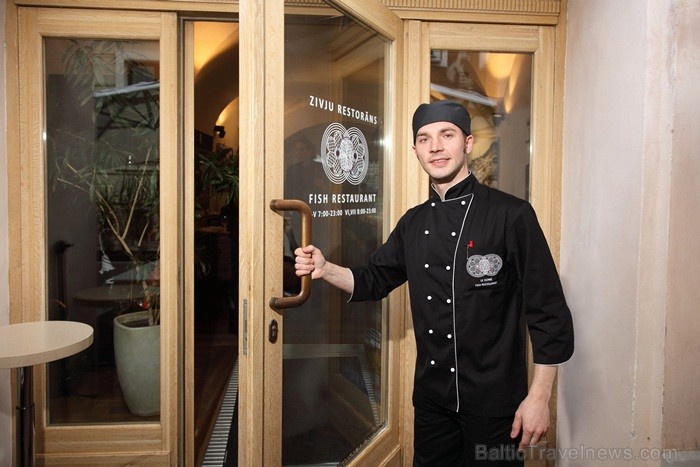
(626, 254)
(601, 210)
(5, 393)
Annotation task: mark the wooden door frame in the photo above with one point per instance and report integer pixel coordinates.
(113, 443)
(545, 170)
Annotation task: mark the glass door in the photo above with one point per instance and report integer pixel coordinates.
(335, 127)
(319, 169)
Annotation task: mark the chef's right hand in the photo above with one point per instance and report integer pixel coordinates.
(309, 260)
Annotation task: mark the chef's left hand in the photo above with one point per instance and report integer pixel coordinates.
(533, 418)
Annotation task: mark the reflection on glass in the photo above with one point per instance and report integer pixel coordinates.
(496, 90)
(102, 159)
(334, 390)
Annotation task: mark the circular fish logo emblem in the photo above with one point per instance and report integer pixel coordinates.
(480, 266)
(344, 154)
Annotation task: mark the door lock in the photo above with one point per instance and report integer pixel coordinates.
(273, 331)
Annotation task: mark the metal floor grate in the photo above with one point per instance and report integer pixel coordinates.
(216, 450)
(216, 454)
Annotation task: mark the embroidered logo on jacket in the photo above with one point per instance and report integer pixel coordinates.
(480, 266)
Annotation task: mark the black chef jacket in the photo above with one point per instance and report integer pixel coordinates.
(476, 264)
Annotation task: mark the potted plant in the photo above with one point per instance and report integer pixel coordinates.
(137, 353)
(114, 162)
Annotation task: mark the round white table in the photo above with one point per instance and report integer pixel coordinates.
(23, 345)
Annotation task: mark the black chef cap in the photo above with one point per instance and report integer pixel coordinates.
(441, 111)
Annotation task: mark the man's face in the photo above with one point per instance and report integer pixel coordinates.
(442, 149)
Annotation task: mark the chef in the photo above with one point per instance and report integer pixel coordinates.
(479, 272)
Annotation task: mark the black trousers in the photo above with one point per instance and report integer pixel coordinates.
(444, 438)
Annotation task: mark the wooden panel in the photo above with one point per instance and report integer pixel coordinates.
(556, 183)
(99, 23)
(252, 299)
(384, 448)
(506, 6)
(14, 174)
(546, 177)
(109, 438)
(373, 14)
(170, 235)
(32, 169)
(539, 12)
(416, 72)
(188, 150)
(393, 459)
(210, 6)
(474, 17)
(14, 177)
(150, 458)
(394, 176)
(557, 120)
(32, 206)
(273, 133)
(491, 37)
(541, 175)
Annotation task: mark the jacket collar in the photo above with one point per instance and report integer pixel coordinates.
(462, 188)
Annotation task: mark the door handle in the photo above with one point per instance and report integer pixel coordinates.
(279, 205)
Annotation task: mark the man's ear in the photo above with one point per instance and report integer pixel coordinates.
(469, 143)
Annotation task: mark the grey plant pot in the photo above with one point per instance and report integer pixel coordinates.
(137, 355)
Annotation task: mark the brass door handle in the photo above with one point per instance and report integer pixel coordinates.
(302, 208)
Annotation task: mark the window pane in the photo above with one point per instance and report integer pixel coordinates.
(496, 90)
(102, 130)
